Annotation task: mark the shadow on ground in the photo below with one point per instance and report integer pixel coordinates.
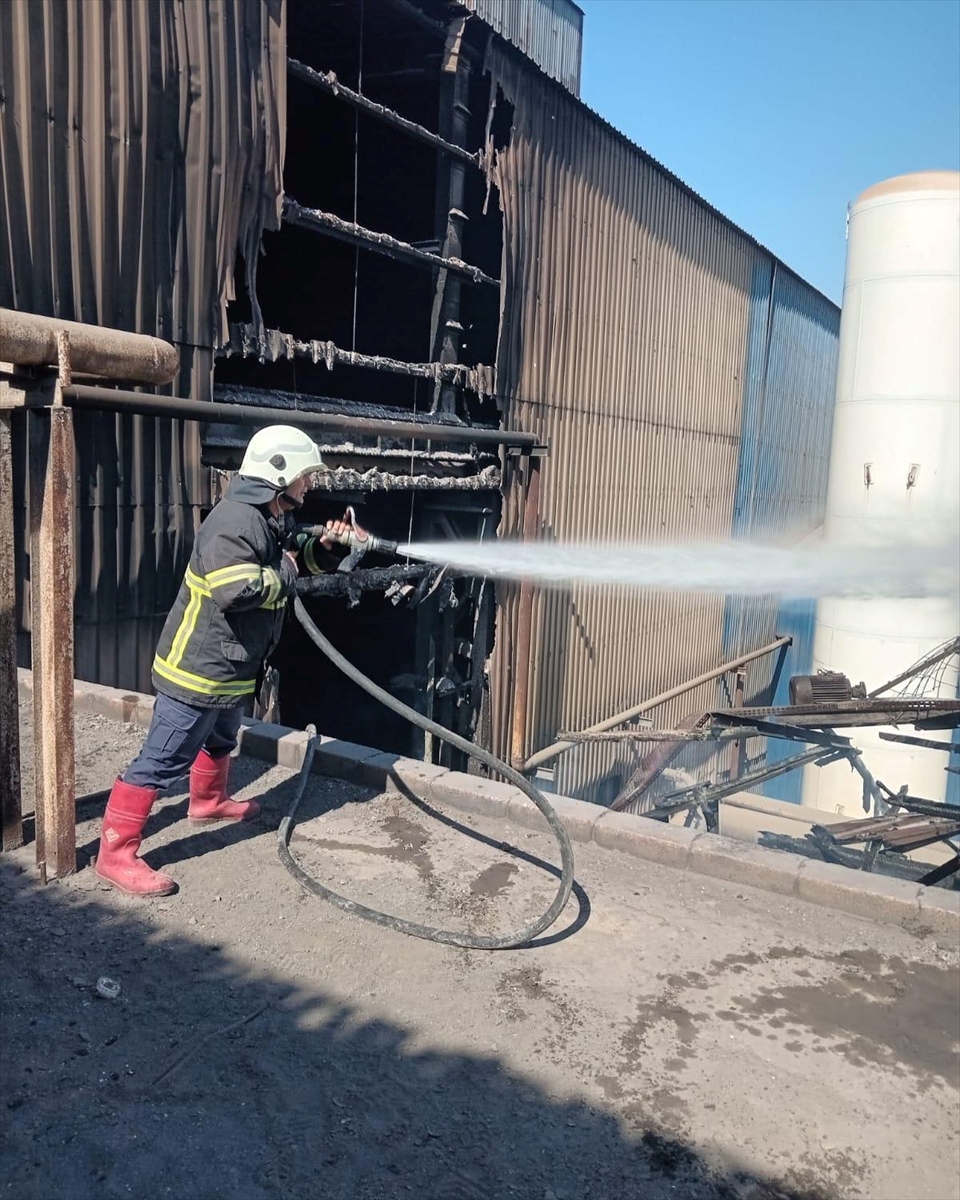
(207, 1079)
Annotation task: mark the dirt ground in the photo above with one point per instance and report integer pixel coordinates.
(673, 1036)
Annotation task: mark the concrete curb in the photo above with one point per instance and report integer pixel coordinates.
(920, 910)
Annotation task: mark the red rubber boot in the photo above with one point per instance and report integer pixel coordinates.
(208, 792)
(117, 861)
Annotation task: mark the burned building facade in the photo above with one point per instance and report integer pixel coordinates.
(376, 209)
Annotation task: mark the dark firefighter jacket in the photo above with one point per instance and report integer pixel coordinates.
(229, 612)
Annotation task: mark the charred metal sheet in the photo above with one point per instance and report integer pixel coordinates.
(10, 805)
(329, 83)
(273, 345)
(381, 243)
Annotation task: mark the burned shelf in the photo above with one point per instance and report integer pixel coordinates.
(380, 243)
(344, 479)
(274, 345)
(361, 462)
(367, 579)
(329, 83)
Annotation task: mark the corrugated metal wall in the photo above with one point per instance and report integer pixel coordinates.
(550, 32)
(626, 345)
(141, 147)
(787, 421)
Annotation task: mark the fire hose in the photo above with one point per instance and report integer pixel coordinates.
(467, 940)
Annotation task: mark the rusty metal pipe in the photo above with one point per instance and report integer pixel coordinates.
(521, 701)
(115, 400)
(29, 340)
(561, 747)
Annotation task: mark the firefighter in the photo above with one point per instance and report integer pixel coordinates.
(224, 625)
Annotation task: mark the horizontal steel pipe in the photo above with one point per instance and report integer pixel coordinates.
(111, 400)
(29, 340)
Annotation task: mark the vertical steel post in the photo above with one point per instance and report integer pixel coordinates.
(738, 748)
(446, 330)
(51, 608)
(10, 802)
(521, 701)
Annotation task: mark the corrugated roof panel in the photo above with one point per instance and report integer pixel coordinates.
(550, 32)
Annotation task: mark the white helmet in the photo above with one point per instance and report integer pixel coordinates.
(279, 455)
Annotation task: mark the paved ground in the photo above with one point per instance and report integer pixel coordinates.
(675, 1036)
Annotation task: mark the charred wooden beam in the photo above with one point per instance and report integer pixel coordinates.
(329, 83)
(274, 345)
(373, 579)
(380, 243)
(916, 804)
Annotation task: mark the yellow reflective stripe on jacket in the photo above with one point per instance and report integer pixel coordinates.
(309, 560)
(274, 586)
(244, 573)
(196, 683)
(188, 623)
(240, 572)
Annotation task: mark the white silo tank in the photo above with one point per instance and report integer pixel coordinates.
(895, 460)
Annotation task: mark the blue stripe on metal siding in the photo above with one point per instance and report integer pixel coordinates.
(796, 619)
(788, 398)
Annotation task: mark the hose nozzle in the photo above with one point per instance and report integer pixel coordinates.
(357, 539)
(360, 539)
